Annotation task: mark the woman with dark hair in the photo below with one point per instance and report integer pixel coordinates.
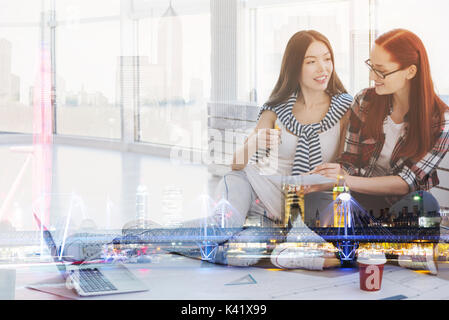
(398, 131)
(297, 129)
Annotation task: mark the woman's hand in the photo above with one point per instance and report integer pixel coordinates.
(379, 186)
(267, 138)
(330, 170)
(316, 188)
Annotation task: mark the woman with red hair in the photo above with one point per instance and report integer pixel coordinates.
(398, 131)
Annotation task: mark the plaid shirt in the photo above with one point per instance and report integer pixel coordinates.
(360, 154)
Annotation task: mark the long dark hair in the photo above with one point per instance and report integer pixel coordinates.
(291, 67)
(407, 49)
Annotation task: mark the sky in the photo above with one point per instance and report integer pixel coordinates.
(87, 52)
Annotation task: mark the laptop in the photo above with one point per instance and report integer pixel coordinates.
(94, 279)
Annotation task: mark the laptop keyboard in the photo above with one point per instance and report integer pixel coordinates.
(92, 280)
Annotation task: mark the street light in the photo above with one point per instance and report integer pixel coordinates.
(345, 196)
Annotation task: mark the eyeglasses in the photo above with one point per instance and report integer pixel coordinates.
(380, 74)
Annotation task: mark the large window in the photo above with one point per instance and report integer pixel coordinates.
(174, 84)
(19, 48)
(87, 68)
(275, 24)
(145, 71)
(429, 21)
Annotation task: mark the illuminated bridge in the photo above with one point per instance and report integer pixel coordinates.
(250, 234)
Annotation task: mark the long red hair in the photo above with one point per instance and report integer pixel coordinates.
(426, 107)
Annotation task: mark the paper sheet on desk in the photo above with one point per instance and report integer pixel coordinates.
(302, 180)
(55, 286)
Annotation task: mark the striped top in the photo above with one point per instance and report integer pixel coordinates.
(308, 150)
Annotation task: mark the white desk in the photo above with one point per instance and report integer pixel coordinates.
(172, 277)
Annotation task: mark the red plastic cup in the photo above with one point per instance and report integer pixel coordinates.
(371, 276)
(371, 271)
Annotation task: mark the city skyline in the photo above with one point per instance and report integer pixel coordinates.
(10, 85)
(86, 71)
(165, 76)
(9, 82)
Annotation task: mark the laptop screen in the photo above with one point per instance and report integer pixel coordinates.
(54, 252)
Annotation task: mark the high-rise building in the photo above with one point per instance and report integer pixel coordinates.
(169, 54)
(339, 220)
(152, 83)
(31, 95)
(294, 204)
(60, 91)
(136, 76)
(14, 93)
(317, 218)
(415, 215)
(5, 69)
(402, 217)
(9, 83)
